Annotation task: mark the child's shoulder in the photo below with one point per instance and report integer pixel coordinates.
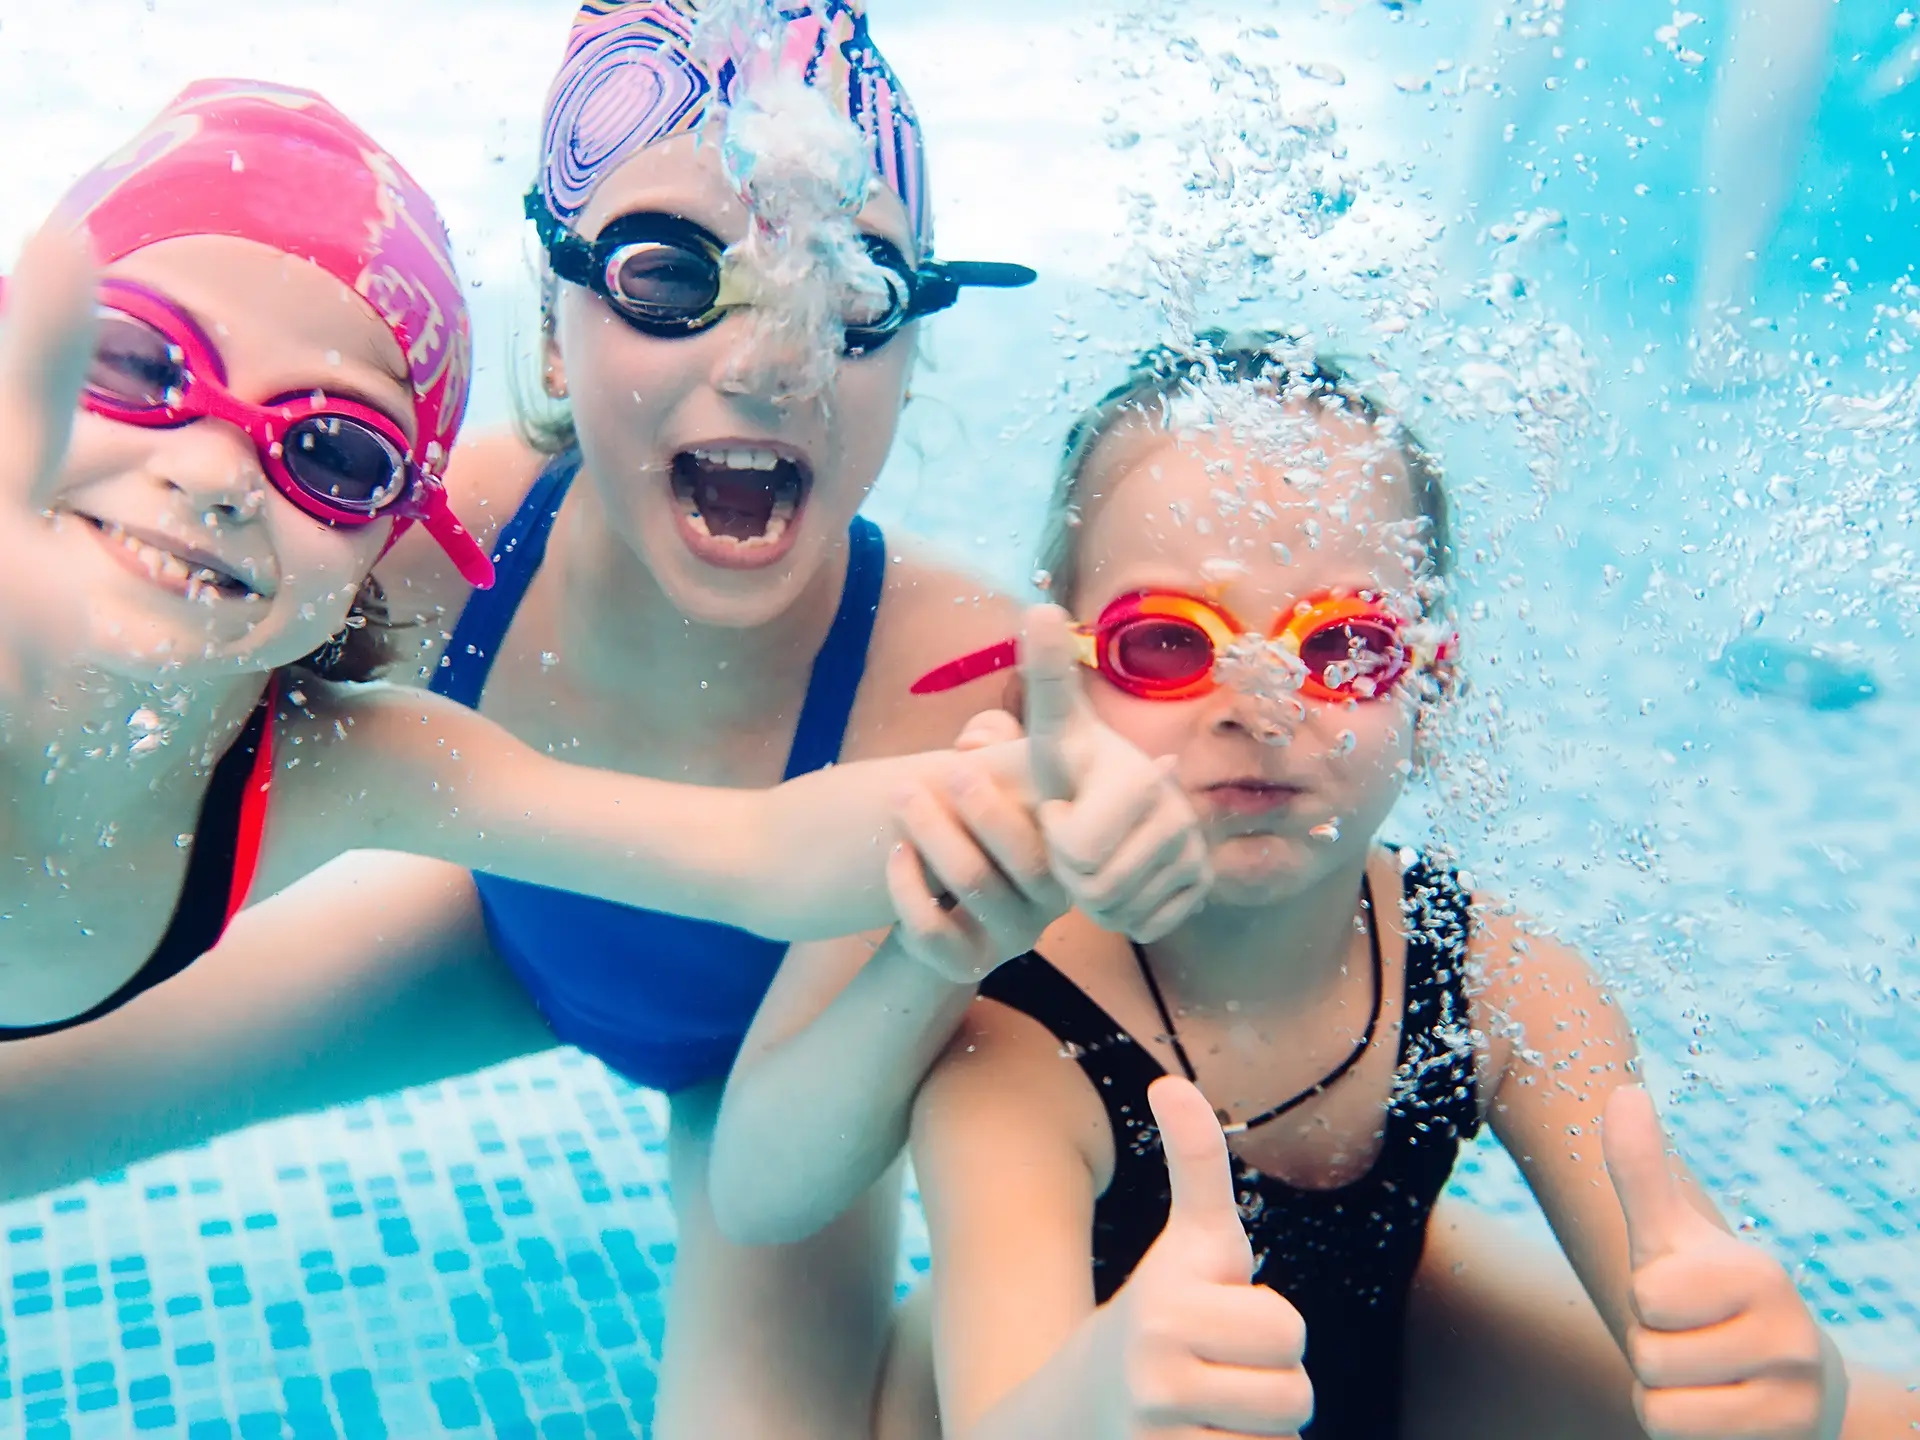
(1005, 1071)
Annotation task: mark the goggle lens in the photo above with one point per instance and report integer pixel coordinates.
(134, 366)
(1159, 652)
(1359, 656)
(663, 284)
(344, 462)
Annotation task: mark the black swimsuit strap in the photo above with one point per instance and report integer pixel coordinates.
(1109, 1056)
(200, 914)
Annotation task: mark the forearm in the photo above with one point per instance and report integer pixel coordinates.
(1071, 1397)
(812, 1121)
(373, 975)
(1880, 1405)
(804, 860)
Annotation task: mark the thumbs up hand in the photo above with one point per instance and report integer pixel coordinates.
(1720, 1341)
(1193, 1346)
(1122, 837)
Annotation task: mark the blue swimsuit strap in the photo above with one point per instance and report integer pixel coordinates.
(483, 624)
(837, 669)
(842, 660)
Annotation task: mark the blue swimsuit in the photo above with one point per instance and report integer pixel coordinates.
(664, 1000)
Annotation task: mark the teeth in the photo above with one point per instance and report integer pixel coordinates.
(740, 459)
(199, 581)
(776, 527)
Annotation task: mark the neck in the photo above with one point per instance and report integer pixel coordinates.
(1263, 955)
(619, 620)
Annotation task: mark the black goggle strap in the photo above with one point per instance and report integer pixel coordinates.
(938, 283)
(569, 255)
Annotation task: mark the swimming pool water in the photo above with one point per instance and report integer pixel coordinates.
(488, 1256)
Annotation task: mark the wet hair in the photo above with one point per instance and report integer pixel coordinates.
(364, 647)
(1279, 365)
(544, 423)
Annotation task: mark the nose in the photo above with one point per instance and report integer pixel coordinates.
(1270, 718)
(769, 361)
(215, 468)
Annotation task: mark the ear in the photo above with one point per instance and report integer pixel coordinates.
(553, 366)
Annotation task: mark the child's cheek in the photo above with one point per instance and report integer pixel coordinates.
(1155, 727)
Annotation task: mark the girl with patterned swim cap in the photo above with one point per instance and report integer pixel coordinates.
(683, 591)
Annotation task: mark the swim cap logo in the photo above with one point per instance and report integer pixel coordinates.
(148, 148)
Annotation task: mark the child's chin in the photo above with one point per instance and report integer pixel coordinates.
(1262, 869)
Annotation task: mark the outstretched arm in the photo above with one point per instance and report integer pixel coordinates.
(394, 769)
(370, 976)
(1718, 1337)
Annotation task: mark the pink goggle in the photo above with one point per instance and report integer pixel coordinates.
(342, 462)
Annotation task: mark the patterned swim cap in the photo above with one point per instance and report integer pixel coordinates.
(636, 74)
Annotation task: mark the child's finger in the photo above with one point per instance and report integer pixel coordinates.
(1232, 1401)
(1246, 1325)
(1175, 913)
(1702, 1285)
(936, 935)
(1752, 1407)
(46, 345)
(968, 872)
(1050, 678)
(1722, 1354)
(989, 727)
(1151, 863)
(1204, 1217)
(1636, 1156)
(1087, 832)
(1186, 877)
(1010, 837)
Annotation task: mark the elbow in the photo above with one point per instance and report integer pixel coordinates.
(752, 1188)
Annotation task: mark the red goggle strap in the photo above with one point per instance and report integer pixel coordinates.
(473, 563)
(968, 668)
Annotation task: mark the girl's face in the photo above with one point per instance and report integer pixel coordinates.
(731, 498)
(1288, 788)
(144, 512)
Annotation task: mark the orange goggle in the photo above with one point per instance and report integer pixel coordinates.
(1163, 646)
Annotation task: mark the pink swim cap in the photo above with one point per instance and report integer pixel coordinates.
(631, 80)
(283, 167)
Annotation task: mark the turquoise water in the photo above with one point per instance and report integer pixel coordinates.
(486, 1257)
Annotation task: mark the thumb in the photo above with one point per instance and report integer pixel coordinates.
(1200, 1175)
(1636, 1154)
(46, 343)
(1048, 674)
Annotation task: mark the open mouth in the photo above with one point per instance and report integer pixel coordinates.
(739, 505)
(187, 572)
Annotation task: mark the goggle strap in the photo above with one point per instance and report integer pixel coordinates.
(462, 549)
(968, 668)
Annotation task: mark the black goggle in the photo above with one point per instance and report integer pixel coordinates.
(668, 277)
